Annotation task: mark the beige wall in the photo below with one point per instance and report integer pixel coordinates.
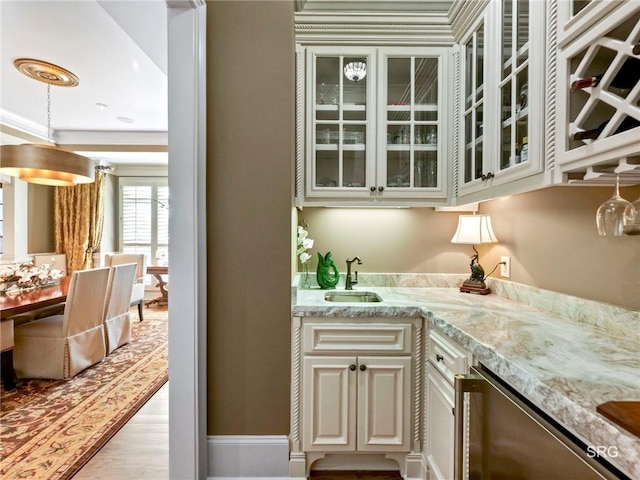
(41, 230)
(250, 138)
(250, 50)
(550, 236)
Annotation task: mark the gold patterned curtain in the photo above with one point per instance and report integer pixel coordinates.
(79, 218)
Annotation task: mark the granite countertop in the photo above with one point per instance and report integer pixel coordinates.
(566, 355)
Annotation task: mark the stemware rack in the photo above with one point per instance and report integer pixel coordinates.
(628, 170)
(599, 40)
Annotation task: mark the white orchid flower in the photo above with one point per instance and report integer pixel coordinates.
(304, 257)
(307, 243)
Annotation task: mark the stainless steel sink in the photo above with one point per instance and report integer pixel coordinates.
(356, 297)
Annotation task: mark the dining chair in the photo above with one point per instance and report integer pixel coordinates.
(117, 317)
(60, 346)
(137, 294)
(58, 261)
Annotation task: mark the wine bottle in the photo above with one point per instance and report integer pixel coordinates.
(627, 124)
(626, 78)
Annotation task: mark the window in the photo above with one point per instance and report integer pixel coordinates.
(144, 218)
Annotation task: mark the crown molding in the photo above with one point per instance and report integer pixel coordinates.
(373, 34)
(23, 128)
(465, 15)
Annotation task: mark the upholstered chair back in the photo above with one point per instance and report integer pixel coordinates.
(137, 294)
(60, 346)
(113, 259)
(86, 299)
(58, 261)
(117, 320)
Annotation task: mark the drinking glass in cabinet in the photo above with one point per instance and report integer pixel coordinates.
(426, 169)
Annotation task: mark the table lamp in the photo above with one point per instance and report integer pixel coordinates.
(474, 230)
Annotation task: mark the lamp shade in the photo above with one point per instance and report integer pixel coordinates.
(45, 165)
(474, 230)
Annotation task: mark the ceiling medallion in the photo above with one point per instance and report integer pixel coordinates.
(46, 72)
(46, 164)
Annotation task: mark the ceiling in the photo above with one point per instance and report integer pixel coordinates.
(117, 49)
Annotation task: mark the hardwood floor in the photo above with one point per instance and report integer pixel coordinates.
(140, 450)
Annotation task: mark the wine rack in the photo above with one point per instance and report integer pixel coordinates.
(604, 48)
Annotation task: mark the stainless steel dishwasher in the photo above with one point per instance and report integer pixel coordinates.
(502, 436)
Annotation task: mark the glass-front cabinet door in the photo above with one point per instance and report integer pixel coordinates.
(411, 141)
(340, 124)
(502, 127)
(473, 108)
(514, 83)
(375, 123)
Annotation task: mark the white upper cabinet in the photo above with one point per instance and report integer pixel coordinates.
(502, 107)
(412, 121)
(598, 88)
(375, 125)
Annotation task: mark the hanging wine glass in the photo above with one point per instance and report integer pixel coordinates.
(614, 214)
(634, 227)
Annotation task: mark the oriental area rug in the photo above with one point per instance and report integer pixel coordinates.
(50, 428)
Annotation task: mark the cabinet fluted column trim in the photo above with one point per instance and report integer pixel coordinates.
(457, 93)
(550, 110)
(300, 86)
(295, 383)
(417, 393)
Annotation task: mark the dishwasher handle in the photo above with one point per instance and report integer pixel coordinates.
(468, 383)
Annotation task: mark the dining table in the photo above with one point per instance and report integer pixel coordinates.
(12, 304)
(158, 271)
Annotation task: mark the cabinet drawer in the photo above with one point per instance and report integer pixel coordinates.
(321, 338)
(447, 356)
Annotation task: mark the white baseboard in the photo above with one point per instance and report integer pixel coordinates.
(247, 457)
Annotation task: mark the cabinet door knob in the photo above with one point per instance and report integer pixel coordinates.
(380, 188)
(352, 367)
(487, 176)
(373, 188)
(363, 368)
(439, 357)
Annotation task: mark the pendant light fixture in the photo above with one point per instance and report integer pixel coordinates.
(355, 71)
(46, 164)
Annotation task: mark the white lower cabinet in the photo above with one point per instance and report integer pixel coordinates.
(440, 429)
(446, 359)
(357, 389)
(356, 403)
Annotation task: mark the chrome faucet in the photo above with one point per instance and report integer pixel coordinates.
(349, 283)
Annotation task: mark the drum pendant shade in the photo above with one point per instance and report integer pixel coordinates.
(41, 163)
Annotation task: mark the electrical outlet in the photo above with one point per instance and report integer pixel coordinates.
(505, 268)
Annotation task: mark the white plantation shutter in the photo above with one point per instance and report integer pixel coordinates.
(144, 218)
(162, 250)
(136, 214)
